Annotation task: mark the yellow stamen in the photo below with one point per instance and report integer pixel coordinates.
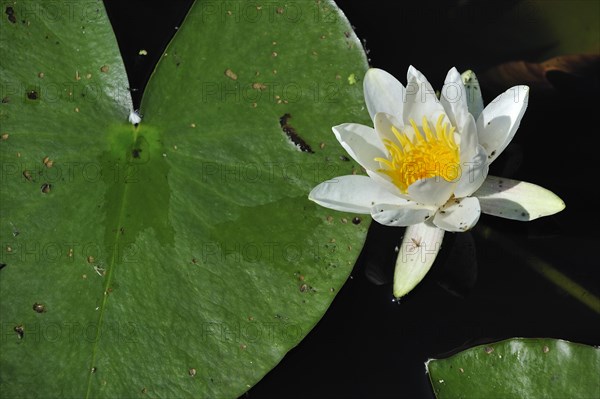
(428, 154)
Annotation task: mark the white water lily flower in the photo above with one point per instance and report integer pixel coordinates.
(427, 161)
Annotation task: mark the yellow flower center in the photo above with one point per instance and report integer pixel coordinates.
(428, 154)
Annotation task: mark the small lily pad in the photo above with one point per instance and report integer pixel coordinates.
(519, 368)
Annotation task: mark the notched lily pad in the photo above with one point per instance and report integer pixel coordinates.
(162, 256)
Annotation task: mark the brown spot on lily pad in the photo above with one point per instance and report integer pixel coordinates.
(259, 86)
(46, 187)
(48, 162)
(39, 307)
(230, 74)
(32, 94)
(10, 12)
(20, 331)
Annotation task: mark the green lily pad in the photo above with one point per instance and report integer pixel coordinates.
(182, 257)
(519, 368)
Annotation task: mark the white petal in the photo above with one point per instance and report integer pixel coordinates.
(404, 215)
(383, 126)
(473, 174)
(468, 139)
(433, 191)
(454, 98)
(517, 200)
(353, 193)
(420, 100)
(474, 99)
(362, 143)
(498, 123)
(419, 248)
(383, 93)
(386, 183)
(459, 214)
